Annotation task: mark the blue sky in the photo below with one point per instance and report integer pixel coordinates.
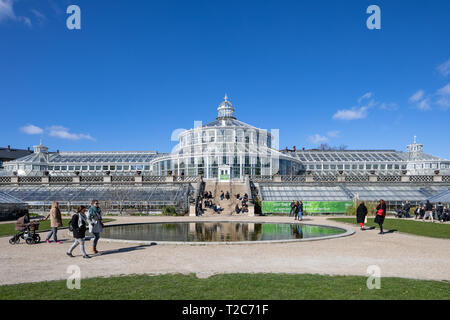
(137, 70)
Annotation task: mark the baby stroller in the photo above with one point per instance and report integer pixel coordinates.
(26, 231)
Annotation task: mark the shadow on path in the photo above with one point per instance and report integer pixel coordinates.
(123, 250)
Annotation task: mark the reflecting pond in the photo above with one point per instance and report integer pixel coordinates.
(217, 231)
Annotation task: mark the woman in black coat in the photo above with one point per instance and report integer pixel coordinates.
(361, 214)
(79, 223)
(381, 213)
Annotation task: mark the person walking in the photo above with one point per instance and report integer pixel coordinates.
(55, 222)
(95, 223)
(361, 213)
(380, 215)
(79, 222)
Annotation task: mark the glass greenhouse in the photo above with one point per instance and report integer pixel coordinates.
(229, 149)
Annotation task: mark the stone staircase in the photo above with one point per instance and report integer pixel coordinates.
(228, 206)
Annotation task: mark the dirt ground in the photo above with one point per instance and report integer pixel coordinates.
(397, 255)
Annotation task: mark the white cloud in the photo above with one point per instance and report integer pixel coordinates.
(389, 106)
(334, 134)
(63, 133)
(367, 95)
(424, 105)
(422, 101)
(38, 14)
(444, 68)
(317, 138)
(416, 97)
(445, 91)
(444, 102)
(6, 10)
(444, 97)
(351, 114)
(7, 13)
(361, 111)
(31, 129)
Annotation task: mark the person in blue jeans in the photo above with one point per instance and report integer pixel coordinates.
(300, 211)
(55, 222)
(95, 223)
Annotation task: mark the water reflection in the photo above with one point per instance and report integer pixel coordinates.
(216, 231)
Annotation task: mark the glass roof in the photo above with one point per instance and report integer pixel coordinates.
(65, 193)
(348, 156)
(274, 192)
(229, 122)
(443, 197)
(95, 157)
(7, 198)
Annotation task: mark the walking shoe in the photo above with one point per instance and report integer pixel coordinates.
(48, 241)
(69, 254)
(86, 257)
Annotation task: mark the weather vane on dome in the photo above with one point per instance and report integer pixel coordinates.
(226, 97)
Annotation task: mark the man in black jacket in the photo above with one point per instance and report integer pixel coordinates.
(439, 210)
(406, 208)
(292, 212)
(428, 211)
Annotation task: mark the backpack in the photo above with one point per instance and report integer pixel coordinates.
(70, 225)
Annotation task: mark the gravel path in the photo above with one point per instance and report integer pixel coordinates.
(398, 255)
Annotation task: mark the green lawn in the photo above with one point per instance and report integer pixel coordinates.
(8, 229)
(416, 227)
(230, 287)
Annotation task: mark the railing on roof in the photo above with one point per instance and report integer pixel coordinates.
(143, 179)
(95, 179)
(353, 178)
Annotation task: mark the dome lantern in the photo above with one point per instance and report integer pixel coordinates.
(225, 110)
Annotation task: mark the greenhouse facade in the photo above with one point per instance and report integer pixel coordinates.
(227, 148)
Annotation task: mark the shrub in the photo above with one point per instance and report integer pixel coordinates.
(258, 206)
(169, 211)
(371, 208)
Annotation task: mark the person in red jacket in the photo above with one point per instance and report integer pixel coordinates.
(380, 215)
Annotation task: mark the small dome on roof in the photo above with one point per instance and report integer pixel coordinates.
(225, 110)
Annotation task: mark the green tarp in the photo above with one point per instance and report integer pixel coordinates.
(308, 206)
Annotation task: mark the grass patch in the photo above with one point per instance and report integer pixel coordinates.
(230, 287)
(8, 229)
(419, 228)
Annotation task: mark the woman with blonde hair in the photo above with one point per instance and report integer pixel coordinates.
(55, 222)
